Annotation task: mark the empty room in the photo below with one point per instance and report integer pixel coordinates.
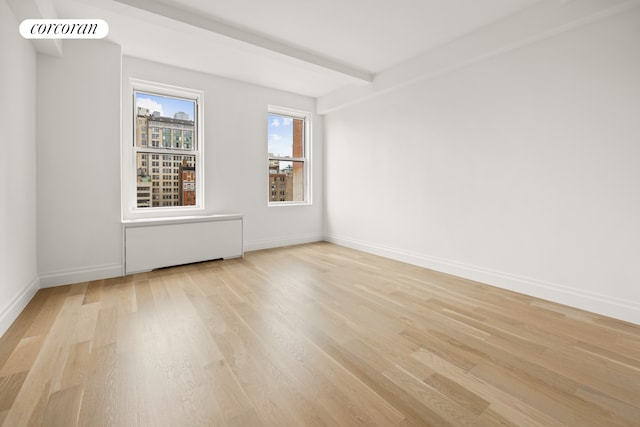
(320, 213)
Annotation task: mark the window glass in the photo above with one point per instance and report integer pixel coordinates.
(171, 121)
(287, 145)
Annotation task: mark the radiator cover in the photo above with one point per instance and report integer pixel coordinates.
(166, 242)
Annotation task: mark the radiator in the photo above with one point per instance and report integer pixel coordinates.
(166, 242)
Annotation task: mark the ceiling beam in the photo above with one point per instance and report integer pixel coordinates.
(542, 20)
(38, 9)
(251, 38)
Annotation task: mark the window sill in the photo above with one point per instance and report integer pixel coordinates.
(281, 204)
(141, 222)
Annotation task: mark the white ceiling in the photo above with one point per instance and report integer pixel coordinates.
(307, 47)
(370, 35)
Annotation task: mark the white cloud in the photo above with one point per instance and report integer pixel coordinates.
(287, 121)
(275, 123)
(276, 137)
(150, 104)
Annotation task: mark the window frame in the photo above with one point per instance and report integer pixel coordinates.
(306, 159)
(130, 152)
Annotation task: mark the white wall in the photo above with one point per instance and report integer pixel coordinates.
(75, 117)
(18, 271)
(522, 171)
(78, 161)
(236, 179)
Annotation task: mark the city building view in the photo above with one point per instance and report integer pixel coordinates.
(280, 181)
(166, 175)
(286, 159)
(166, 153)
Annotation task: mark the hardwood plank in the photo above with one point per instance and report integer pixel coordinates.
(226, 393)
(249, 418)
(48, 312)
(16, 332)
(457, 393)
(23, 356)
(9, 387)
(98, 397)
(93, 292)
(36, 416)
(77, 365)
(503, 405)
(48, 365)
(301, 359)
(313, 334)
(62, 408)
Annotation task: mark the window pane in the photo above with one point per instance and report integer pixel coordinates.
(188, 139)
(179, 183)
(286, 181)
(285, 136)
(163, 121)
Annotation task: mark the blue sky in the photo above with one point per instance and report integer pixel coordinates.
(280, 135)
(167, 106)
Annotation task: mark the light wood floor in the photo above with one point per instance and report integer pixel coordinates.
(312, 335)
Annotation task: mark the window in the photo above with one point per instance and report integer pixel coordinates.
(167, 129)
(166, 137)
(288, 141)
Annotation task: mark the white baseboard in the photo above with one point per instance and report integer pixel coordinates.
(257, 245)
(12, 310)
(628, 311)
(67, 277)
